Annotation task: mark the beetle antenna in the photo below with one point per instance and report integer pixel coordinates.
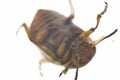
(104, 37)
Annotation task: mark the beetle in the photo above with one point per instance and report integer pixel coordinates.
(61, 41)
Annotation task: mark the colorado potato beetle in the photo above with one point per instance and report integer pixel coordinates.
(63, 42)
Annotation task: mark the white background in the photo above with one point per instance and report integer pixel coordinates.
(19, 57)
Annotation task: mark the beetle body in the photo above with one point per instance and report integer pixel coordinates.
(59, 38)
(63, 42)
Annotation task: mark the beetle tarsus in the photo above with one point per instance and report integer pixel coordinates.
(40, 68)
(100, 15)
(105, 9)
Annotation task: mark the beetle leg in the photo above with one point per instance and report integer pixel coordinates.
(72, 11)
(63, 71)
(40, 65)
(76, 74)
(26, 29)
(87, 33)
(100, 15)
(102, 38)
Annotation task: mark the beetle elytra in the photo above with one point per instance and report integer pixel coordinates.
(63, 42)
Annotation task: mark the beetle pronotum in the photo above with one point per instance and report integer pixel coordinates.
(63, 42)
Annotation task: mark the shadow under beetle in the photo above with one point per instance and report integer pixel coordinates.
(61, 41)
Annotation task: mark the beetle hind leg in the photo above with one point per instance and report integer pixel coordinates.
(40, 65)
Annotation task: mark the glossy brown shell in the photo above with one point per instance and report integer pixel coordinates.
(57, 36)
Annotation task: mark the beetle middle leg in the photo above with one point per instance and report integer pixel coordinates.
(26, 30)
(72, 11)
(88, 32)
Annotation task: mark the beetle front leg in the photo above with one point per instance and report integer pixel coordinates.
(88, 32)
(100, 15)
(76, 74)
(63, 71)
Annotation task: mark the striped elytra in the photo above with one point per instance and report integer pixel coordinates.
(61, 41)
(58, 34)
